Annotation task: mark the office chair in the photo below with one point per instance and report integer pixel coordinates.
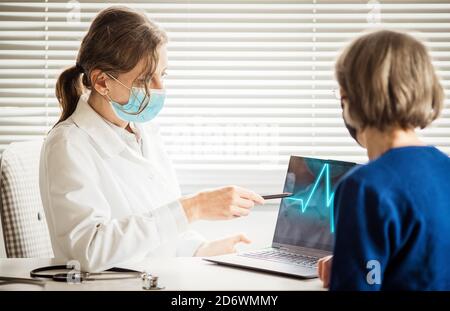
(23, 220)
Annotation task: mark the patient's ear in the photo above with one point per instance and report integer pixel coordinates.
(98, 79)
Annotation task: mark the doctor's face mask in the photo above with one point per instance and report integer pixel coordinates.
(141, 107)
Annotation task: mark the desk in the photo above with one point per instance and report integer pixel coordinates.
(174, 273)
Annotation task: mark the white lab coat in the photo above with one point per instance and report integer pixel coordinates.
(105, 204)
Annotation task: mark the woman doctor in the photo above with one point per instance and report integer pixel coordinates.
(108, 189)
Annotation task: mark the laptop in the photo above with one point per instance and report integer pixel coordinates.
(304, 231)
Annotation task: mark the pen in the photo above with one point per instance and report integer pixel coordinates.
(277, 196)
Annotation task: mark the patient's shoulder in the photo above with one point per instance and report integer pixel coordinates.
(373, 175)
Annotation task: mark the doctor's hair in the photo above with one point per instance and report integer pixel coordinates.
(118, 38)
(389, 81)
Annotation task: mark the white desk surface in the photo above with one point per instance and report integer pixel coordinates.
(175, 274)
(186, 273)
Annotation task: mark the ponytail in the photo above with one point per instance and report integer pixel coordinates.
(68, 91)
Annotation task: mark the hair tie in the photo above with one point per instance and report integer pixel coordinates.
(79, 67)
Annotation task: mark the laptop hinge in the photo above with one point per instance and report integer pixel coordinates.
(303, 250)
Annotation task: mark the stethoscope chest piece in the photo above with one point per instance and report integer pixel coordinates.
(150, 282)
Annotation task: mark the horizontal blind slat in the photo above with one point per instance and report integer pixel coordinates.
(250, 82)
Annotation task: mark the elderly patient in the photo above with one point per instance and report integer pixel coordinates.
(392, 214)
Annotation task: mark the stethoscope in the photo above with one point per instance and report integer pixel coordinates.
(149, 281)
(74, 276)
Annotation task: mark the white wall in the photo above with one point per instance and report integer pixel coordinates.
(259, 227)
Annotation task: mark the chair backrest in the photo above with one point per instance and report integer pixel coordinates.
(24, 225)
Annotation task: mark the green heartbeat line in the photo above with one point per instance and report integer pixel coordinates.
(329, 195)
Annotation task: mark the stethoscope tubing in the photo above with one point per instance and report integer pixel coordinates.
(78, 275)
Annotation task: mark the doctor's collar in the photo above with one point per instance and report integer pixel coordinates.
(86, 118)
(124, 132)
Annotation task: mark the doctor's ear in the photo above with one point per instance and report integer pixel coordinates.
(98, 79)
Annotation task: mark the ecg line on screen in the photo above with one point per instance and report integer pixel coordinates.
(329, 196)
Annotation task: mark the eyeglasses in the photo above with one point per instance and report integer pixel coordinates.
(142, 83)
(337, 93)
(139, 83)
(338, 96)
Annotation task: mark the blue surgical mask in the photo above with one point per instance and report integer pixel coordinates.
(140, 106)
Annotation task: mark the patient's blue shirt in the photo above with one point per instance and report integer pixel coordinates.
(393, 223)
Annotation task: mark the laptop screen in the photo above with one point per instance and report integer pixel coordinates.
(306, 219)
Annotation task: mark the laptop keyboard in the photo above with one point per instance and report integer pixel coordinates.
(283, 256)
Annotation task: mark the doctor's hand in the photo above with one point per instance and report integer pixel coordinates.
(222, 203)
(324, 270)
(221, 247)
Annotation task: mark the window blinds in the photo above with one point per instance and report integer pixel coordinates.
(249, 82)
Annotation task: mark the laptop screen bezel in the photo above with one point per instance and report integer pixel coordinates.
(298, 248)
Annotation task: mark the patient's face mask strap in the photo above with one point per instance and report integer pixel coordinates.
(351, 129)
